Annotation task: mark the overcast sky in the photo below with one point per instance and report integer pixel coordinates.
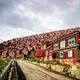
(27, 17)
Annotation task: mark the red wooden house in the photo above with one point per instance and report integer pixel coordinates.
(66, 49)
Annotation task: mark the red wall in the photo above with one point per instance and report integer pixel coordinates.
(76, 35)
(65, 56)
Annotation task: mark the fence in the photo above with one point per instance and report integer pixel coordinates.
(5, 70)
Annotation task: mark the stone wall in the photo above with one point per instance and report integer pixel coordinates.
(67, 61)
(73, 71)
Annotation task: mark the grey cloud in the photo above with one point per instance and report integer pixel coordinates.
(73, 19)
(52, 12)
(17, 21)
(7, 17)
(45, 7)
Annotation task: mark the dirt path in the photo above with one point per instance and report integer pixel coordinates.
(33, 72)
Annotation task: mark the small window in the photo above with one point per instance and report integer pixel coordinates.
(61, 54)
(62, 44)
(71, 42)
(46, 53)
(55, 46)
(70, 53)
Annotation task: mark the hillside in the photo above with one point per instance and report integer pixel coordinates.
(32, 43)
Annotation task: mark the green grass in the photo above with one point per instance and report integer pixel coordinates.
(53, 63)
(15, 58)
(29, 58)
(3, 63)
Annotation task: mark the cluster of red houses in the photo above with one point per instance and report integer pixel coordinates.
(65, 49)
(57, 46)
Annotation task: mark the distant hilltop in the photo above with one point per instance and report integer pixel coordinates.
(49, 35)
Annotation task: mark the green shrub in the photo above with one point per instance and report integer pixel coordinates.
(49, 67)
(38, 61)
(1, 62)
(78, 66)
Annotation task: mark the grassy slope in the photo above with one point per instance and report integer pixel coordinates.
(3, 63)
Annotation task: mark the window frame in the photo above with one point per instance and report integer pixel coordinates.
(47, 53)
(61, 54)
(70, 54)
(70, 42)
(57, 46)
(64, 44)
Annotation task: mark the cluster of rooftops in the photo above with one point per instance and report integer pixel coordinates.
(45, 47)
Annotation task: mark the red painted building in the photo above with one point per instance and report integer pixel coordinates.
(66, 49)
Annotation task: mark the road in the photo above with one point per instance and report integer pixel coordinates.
(33, 72)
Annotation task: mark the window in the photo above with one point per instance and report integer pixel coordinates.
(70, 53)
(62, 44)
(61, 54)
(55, 46)
(71, 42)
(46, 53)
